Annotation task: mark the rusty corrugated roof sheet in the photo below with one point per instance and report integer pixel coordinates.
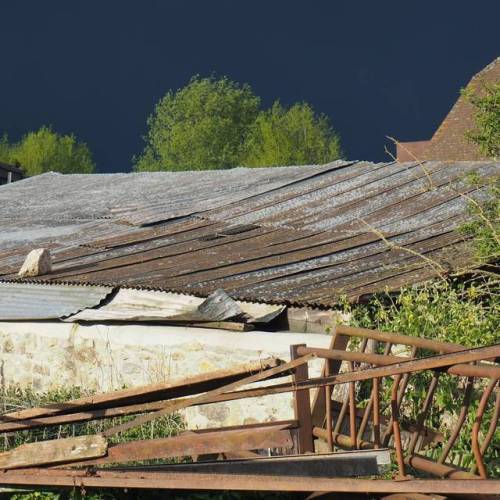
(296, 235)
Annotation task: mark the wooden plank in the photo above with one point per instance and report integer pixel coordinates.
(192, 443)
(57, 451)
(224, 325)
(184, 387)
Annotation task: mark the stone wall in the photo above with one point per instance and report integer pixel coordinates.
(102, 357)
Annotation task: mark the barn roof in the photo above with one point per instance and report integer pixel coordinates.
(293, 235)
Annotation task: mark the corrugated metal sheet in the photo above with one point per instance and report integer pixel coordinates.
(145, 305)
(296, 235)
(25, 301)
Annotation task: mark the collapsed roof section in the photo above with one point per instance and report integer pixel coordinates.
(300, 236)
(71, 303)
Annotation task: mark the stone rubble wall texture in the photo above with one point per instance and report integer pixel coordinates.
(99, 357)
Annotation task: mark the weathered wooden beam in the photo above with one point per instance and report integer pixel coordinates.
(53, 452)
(192, 443)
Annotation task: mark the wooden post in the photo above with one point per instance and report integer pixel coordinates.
(302, 406)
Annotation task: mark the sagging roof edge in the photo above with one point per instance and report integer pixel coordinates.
(117, 286)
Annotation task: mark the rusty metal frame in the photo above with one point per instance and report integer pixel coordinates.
(379, 424)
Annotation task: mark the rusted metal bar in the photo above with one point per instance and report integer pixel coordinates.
(180, 388)
(405, 378)
(423, 343)
(397, 338)
(432, 362)
(360, 357)
(192, 443)
(346, 400)
(241, 482)
(338, 343)
(469, 387)
(437, 469)
(376, 412)
(417, 462)
(328, 408)
(395, 427)
(401, 381)
(208, 395)
(352, 409)
(302, 405)
(476, 448)
(342, 440)
(415, 365)
(412, 446)
(370, 406)
(342, 413)
(493, 424)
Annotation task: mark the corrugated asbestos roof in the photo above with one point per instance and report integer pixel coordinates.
(295, 235)
(33, 301)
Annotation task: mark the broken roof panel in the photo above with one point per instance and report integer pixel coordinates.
(295, 235)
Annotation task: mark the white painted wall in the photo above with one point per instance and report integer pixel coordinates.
(102, 357)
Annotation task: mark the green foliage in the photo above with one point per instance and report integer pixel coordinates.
(217, 123)
(449, 312)
(487, 118)
(45, 150)
(293, 136)
(201, 126)
(484, 227)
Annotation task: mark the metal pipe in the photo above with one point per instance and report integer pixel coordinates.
(460, 421)
(429, 466)
(376, 412)
(241, 482)
(341, 440)
(397, 338)
(493, 424)
(463, 370)
(423, 414)
(360, 357)
(395, 428)
(352, 409)
(345, 402)
(476, 449)
(328, 409)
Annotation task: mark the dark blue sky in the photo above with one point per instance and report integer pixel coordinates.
(97, 67)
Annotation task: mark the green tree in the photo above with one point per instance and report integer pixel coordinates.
(44, 150)
(487, 119)
(217, 123)
(201, 126)
(293, 136)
